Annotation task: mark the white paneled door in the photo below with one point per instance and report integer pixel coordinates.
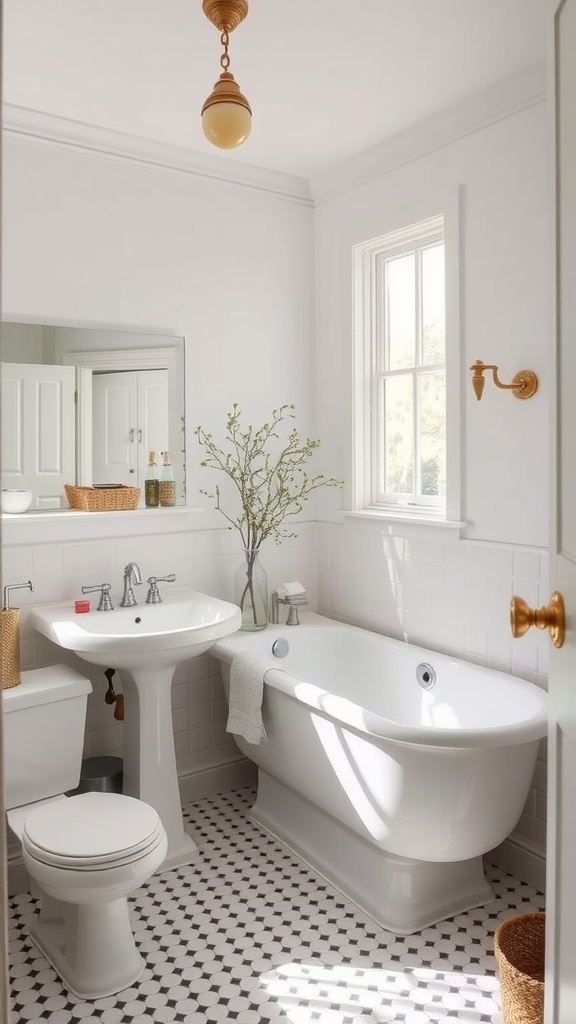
(38, 425)
(561, 882)
(129, 418)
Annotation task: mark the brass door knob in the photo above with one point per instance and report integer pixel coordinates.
(550, 617)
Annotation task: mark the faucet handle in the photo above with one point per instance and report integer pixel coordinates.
(153, 596)
(105, 602)
(293, 603)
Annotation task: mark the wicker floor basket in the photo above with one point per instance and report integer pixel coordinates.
(519, 949)
(102, 499)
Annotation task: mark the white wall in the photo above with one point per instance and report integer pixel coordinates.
(427, 587)
(98, 242)
(500, 173)
(26, 343)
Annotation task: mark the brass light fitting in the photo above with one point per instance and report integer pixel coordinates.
(226, 114)
(523, 385)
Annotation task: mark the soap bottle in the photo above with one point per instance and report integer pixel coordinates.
(167, 484)
(152, 483)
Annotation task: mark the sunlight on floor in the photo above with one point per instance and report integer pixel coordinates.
(414, 995)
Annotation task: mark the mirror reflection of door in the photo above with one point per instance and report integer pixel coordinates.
(93, 351)
(130, 418)
(38, 425)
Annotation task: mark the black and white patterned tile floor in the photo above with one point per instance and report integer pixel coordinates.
(249, 933)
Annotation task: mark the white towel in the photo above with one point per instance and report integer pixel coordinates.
(290, 590)
(245, 697)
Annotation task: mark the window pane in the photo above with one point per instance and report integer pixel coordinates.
(433, 311)
(401, 310)
(399, 434)
(433, 433)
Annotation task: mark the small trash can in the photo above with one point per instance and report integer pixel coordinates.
(519, 949)
(100, 775)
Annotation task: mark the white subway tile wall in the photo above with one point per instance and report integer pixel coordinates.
(206, 560)
(449, 595)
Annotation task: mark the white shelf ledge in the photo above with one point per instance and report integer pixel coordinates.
(67, 524)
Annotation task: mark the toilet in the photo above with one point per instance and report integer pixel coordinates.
(85, 854)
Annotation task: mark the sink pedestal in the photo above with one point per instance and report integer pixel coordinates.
(150, 772)
(145, 644)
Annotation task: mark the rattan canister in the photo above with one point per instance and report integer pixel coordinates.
(10, 643)
(519, 949)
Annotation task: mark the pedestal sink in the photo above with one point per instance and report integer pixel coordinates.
(146, 642)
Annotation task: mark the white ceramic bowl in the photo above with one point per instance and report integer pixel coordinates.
(15, 500)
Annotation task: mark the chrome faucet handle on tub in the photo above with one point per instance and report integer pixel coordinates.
(153, 596)
(293, 603)
(105, 603)
(131, 573)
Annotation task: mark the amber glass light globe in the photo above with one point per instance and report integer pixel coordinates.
(226, 114)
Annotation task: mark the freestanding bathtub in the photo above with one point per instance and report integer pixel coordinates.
(389, 768)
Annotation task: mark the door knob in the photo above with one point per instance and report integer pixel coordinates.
(550, 617)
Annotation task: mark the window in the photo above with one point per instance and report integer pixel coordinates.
(401, 371)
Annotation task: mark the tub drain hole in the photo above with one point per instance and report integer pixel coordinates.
(280, 648)
(426, 676)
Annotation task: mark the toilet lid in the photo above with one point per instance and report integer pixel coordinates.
(91, 829)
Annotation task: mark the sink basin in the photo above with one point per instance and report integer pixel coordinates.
(146, 643)
(186, 624)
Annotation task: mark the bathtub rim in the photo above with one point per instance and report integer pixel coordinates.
(353, 716)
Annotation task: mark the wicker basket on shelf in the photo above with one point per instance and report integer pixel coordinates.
(102, 499)
(519, 949)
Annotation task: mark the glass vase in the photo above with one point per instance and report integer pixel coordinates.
(252, 592)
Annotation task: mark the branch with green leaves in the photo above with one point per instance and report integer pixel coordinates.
(268, 472)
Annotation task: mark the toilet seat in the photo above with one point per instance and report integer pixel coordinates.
(92, 831)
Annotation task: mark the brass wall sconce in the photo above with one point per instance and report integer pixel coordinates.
(226, 114)
(523, 385)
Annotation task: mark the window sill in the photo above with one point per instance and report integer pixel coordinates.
(412, 521)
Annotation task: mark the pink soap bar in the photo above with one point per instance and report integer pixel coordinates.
(81, 606)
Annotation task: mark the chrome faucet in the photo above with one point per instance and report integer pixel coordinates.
(294, 603)
(131, 572)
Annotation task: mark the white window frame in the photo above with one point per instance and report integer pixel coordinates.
(366, 257)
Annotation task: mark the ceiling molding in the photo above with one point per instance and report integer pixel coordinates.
(473, 114)
(499, 101)
(49, 129)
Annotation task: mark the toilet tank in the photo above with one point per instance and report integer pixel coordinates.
(44, 718)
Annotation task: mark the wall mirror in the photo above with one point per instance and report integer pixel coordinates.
(86, 406)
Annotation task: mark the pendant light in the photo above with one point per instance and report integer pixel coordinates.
(226, 114)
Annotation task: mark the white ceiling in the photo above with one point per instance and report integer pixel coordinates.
(325, 78)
